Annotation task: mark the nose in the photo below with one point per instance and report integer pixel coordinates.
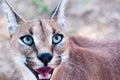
(45, 58)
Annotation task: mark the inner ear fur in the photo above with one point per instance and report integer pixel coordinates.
(13, 18)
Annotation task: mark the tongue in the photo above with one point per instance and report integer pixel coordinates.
(44, 71)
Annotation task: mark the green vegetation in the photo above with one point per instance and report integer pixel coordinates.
(43, 8)
(37, 1)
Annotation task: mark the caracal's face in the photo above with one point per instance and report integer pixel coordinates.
(41, 45)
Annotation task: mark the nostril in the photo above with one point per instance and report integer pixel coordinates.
(50, 58)
(45, 57)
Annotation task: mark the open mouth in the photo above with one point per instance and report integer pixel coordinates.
(44, 73)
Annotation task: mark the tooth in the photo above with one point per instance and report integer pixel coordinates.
(50, 75)
(40, 76)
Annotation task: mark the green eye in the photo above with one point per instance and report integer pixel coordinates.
(27, 39)
(57, 38)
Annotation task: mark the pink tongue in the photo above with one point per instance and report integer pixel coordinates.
(44, 71)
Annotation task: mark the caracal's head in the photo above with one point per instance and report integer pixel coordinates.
(39, 44)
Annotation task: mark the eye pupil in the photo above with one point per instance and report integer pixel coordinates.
(28, 39)
(56, 37)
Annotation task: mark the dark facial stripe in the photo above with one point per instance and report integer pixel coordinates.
(31, 31)
(41, 25)
(54, 31)
(42, 31)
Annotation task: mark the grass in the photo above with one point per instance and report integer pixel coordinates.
(43, 8)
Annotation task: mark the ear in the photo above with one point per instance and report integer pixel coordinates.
(14, 20)
(58, 13)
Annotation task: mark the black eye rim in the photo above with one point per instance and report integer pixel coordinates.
(27, 36)
(57, 35)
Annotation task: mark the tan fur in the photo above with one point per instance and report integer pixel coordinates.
(91, 62)
(88, 59)
(74, 58)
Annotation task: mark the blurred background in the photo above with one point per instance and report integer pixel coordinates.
(89, 18)
(96, 19)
